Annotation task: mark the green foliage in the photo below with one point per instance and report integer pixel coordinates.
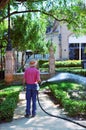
(42, 62)
(68, 63)
(18, 32)
(65, 86)
(72, 107)
(70, 12)
(74, 70)
(7, 109)
(3, 38)
(72, 66)
(8, 100)
(28, 29)
(28, 33)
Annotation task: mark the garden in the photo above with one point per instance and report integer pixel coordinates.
(71, 97)
(26, 24)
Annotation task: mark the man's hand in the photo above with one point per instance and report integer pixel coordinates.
(43, 82)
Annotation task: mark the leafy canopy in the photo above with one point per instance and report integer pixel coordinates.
(28, 30)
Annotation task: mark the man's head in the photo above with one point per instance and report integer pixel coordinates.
(32, 63)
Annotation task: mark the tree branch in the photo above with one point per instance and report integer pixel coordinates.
(26, 11)
(46, 13)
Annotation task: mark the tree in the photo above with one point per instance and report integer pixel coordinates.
(65, 11)
(71, 12)
(27, 34)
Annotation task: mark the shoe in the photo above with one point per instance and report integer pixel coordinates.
(33, 115)
(27, 115)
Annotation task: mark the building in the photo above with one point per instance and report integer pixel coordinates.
(68, 46)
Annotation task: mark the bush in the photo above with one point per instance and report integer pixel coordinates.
(73, 66)
(58, 93)
(42, 62)
(72, 107)
(7, 109)
(68, 63)
(10, 97)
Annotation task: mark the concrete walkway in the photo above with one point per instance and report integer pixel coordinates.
(42, 121)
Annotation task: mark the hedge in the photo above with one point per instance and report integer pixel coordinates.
(73, 107)
(8, 101)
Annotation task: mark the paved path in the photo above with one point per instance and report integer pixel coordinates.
(42, 121)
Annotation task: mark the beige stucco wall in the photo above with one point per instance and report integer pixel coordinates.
(65, 44)
(62, 51)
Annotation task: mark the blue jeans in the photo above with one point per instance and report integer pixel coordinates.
(31, 93)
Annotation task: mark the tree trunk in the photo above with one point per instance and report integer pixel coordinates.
(3, 3)
(51, 61)
(22, 60)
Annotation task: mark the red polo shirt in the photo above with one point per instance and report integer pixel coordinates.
(32, 75)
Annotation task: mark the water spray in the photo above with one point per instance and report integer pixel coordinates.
(66, 77)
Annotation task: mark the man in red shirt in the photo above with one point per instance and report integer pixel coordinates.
(31, 78)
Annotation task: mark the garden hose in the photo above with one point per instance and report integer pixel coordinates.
(56, 116)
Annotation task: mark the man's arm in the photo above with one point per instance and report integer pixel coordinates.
(38, 77)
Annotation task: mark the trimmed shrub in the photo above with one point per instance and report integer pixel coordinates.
(72, 66)
(73, 108)
(10, 97)
(68, 63)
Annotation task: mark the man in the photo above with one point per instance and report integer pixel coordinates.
(31, 79)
